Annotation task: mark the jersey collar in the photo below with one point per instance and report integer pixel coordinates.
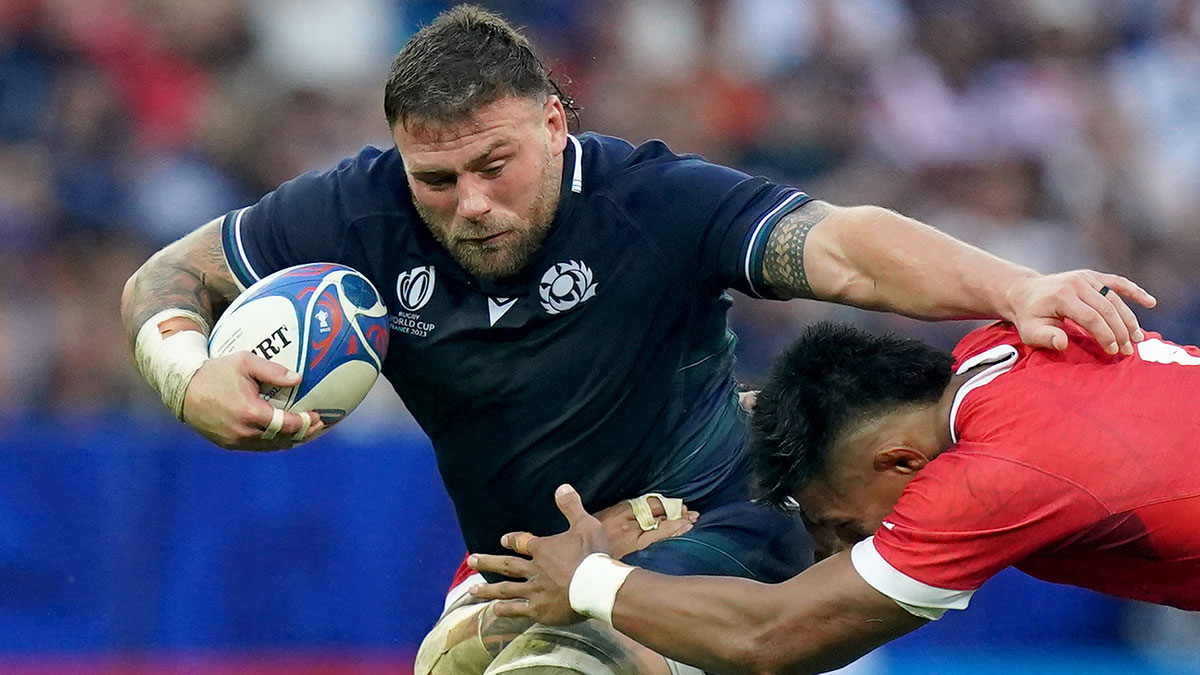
(999, 360)
(577, 172)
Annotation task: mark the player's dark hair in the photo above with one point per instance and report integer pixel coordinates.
(832, 378)
(467, 58)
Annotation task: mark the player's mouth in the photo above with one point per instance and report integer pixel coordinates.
(489, 239)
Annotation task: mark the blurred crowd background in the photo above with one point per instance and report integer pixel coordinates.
(1057, 133)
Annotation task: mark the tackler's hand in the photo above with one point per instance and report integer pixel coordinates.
(1039, 305)
(223, 403)
(544, 595)
(634, 524)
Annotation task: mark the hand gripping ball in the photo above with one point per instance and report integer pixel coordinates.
(321, 320)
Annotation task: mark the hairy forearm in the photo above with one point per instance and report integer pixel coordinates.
(190, 274)
(885, 261)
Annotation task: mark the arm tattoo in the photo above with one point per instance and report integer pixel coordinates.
(190, 274)
(783, 262)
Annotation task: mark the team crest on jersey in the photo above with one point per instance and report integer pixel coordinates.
(566, 285)
(415, 287)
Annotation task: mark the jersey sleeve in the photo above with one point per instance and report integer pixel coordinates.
(307, 219)
(713, 219)
(966, 517)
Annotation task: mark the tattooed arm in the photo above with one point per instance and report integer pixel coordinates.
(874, 258)
(189, 274)
(221, 400)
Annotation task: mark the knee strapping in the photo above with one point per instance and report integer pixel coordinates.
(466, 639)
(454, 646)
(579, 649)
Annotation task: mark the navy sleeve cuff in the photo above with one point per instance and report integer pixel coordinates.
(235, 250)
(756, 248)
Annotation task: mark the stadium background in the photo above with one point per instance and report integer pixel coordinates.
(1058, 133)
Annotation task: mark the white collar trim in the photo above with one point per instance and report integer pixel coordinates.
(1002, 358)
(577, 177)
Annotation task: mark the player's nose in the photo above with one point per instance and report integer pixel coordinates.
(473, 200)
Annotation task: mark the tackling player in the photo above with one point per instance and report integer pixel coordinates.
(558, 303)
(1077, 467)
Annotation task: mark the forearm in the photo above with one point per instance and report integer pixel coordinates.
(874, 258)
(167, 307)
(190, 275)
(713, 624)
(879, 259)
(820, 620)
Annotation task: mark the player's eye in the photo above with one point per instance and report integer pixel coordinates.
(437, 182)
(492, 171)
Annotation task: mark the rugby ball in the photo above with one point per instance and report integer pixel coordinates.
(321, 320)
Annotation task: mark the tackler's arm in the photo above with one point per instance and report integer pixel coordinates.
(821, 619)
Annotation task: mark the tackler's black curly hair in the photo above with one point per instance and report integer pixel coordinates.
(834, 376)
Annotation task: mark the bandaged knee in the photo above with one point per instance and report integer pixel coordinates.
(579, 649)
(454, 646)
(466, 639)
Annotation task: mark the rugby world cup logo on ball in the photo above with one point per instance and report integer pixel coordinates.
(415, 287)
(566, 285)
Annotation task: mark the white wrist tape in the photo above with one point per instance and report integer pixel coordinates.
(168, 364)
(594, 586)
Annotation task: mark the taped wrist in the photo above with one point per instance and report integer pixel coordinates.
(169, 363)
(594, 586)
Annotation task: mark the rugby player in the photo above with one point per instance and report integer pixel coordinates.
(1074, 466)
(558, 308)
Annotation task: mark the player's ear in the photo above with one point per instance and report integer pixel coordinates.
(900, 459)
(555, 119)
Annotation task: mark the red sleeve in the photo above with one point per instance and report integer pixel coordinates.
(970, 514)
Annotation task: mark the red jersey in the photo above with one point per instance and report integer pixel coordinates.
(1075, 467)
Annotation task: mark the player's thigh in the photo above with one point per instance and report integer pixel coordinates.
(741, 539)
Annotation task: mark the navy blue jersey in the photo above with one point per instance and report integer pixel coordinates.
(605, 363)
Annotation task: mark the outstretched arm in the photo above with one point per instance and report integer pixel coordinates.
(168, 307)
(819, 620)
(874, 258)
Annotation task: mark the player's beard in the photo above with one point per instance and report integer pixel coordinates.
(509, 255)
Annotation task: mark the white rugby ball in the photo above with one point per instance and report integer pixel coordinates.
(322, 320)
